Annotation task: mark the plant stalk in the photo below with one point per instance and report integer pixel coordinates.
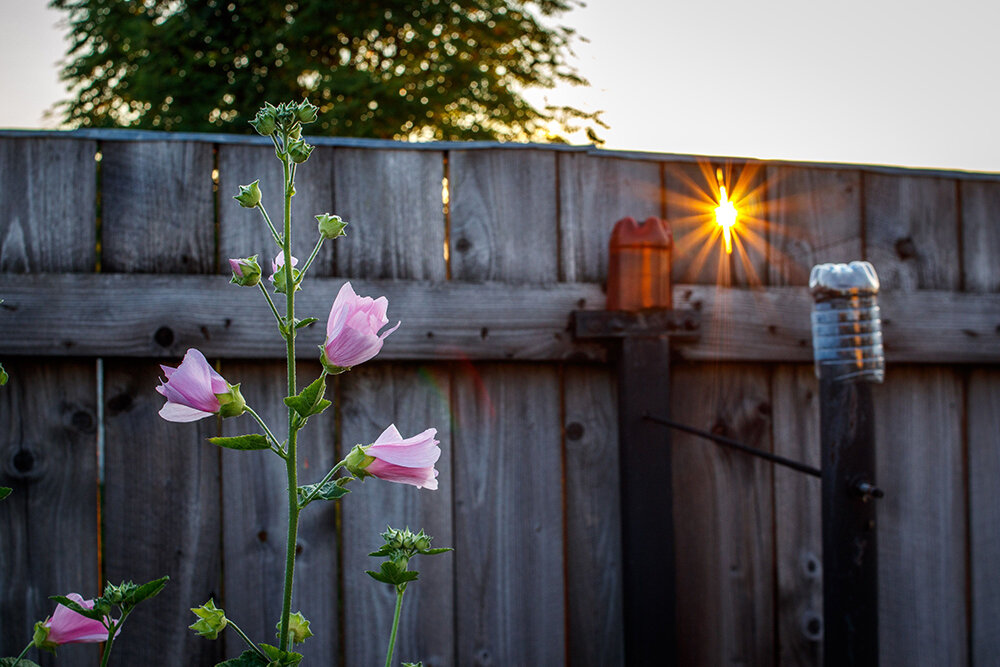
(23, 653)
(395, 626)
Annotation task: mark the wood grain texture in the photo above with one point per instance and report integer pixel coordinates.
(983, 413)
(255, 519)
(392, 202)
(157, 208)
(161, 316)
(47, 205)
(413, 398)
(911, 231)
(160, 517)
(48, 456)
(921, 520)
(797, 517)
(594, 194)
(815, 218)
(980, 235)
(723, 514)
(593, 518)
(504, 222)
(508, 524)
(692, 193)
(243, 232)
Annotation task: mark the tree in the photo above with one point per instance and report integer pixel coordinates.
(402, 69)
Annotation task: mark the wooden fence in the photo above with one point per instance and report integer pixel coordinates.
(113, 250)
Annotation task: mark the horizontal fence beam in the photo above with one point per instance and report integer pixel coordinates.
(137, 315)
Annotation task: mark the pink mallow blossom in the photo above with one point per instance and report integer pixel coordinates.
(65, 626)
(193, 389)
(279, 262)
(352, 330)
(404, 460)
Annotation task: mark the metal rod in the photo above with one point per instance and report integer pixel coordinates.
(739, 446)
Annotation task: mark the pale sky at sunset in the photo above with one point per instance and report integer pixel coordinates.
(877, 81)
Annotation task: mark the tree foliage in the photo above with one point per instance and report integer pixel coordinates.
(417, 69)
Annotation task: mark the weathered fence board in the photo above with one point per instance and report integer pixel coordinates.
(593, 526)
(921, 520)
(797, 520)
(413, 398)
(48, 411)
(509, 547)
(723, 514)
(980, 235)
(983, 409)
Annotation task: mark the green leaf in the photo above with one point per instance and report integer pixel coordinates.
(330, 491)
(148, 590)
(281, 658)
(94, 614)
(434, 552)
(8, 662)
(378, 576)
(3, 376)
(310, 400)
(304, 323)
(248, 658)
(5, 491)
(244, 442)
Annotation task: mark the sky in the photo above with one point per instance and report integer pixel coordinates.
(874, 82)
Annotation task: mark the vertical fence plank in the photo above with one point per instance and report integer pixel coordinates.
(48, 416)
(593, 518)
(798, 523)
(911, 231)
(594, 193)
(393, 203)
(504, 216)
(414, 398)
(815, 217)
(508, 524)
(243, 232)
(980, 235)
(724, 517)
(921, 520)
(984, 508)
(161, 503)
(254, 509)
(692, 193)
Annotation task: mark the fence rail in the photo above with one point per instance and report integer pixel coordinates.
(112, 255)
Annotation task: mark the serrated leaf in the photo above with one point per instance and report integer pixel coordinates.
(384, 550)
(248, 658)
(279, 657)
(304, 323)
(9, 662)
(148, 590)
(5, 491)
(330, 491)
(378, 576)
(310, 400)
(250, 441)
(93, 614)
(434, 552)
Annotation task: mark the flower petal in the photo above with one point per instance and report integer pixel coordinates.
(422, 478)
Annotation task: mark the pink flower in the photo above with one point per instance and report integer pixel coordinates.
(395, 459)
(278, 262)
(65, 626)
(194, 390)
(352, 330)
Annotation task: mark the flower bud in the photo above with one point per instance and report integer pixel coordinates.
(298, 628)
(231, 403)
(211, 620)
(357, 461)
(306, 112)
(330, 226)
(263, 122)
(299, 151)
(246, 271)
(249, 195)
(286, 114)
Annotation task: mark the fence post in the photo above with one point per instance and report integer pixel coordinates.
(847, 346)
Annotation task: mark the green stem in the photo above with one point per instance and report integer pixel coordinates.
(277, 446)
(274, 232)
(18, 659)
(247, 639)
(291, 458)
(277, 317)
(319, 244)
(308, 499)
(395, 625)
(111, 637)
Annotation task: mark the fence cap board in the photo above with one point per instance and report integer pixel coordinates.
(160, 316)
(114, 134)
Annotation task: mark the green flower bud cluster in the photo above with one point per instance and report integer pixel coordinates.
(284, 117)
(400, 546)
